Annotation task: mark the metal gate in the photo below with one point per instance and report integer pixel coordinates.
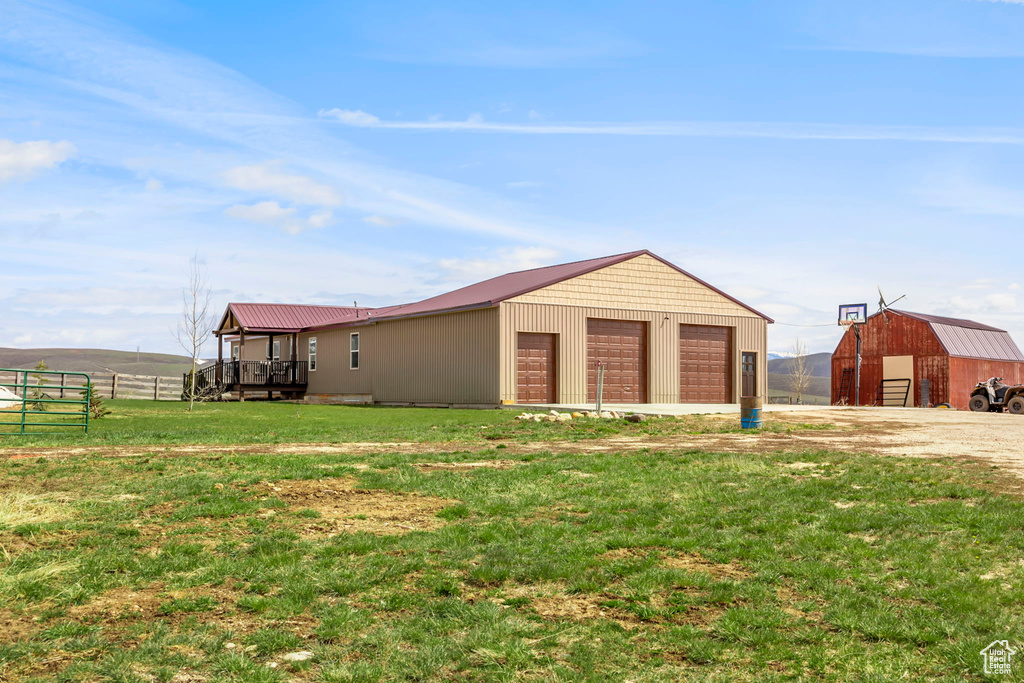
(34, 391)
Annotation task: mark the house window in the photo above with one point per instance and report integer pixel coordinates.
(353, 351)
(234, 352)
(276, 355)
(312, 353)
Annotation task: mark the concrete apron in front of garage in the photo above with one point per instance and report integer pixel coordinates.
(661, 408)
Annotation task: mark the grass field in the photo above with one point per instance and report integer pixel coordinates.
(481, 563)
(256, 422)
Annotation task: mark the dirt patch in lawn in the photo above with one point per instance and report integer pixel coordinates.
(695, 563)
(691, 563)
(115, 610)
(550, 601)
(345, 509)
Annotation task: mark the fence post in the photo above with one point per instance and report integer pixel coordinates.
(113, 386)
(24, 397)
(62, 385)
(156, 388)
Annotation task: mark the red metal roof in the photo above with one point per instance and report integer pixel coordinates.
(293, 318)
(287, 317)
(941, 320)
(498, 289)
(970, 339)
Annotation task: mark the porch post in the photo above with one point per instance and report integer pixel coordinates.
(295, 355)
(270, 364)
(220, 358)
(238, 364)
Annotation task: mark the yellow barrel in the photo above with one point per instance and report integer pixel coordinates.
(750, 412)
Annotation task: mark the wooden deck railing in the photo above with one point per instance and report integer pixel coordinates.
(252, 373)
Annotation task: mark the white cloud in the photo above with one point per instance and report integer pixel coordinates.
(726, 129)
(272, 213)
(88, 215)
(154, 185)
(321, 219)
(19, 161)
(523, 184)
(505, 261)
(264, 212)
(994, 303)
(381, 221)
(535, 115)
(357, 117)
(267, 178)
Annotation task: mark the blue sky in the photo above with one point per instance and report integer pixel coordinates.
(795, 154)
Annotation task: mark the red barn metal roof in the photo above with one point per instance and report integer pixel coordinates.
(286, 318)
(969, 339)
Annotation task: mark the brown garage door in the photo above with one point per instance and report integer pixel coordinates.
(705, 354)
(621, 346)
(535, 368)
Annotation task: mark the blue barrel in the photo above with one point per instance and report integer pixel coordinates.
(750, 412)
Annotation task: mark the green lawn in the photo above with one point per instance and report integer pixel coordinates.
(482, 564)
(253, 422)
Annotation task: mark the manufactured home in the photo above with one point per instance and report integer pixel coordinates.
(658, 333)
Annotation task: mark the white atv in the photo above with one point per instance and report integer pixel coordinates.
(992, 396)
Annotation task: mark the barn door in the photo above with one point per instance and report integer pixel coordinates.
(898, 368)
(535, 368)
(705, 355)
(621, 346)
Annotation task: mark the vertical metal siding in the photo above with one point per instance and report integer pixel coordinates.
(965, 373)
(570, 324)
(448, 358)
(332, 374)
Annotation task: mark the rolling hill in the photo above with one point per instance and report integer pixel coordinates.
(97, 360)
(820, 387)
(820, 365)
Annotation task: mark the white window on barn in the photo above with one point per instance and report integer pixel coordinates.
(234, 352)
(312, 353)
(277, 350)
(353, 352)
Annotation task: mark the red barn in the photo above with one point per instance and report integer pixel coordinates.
(944, 357)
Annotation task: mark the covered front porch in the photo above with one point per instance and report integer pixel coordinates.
(287, 377)
(263, 355)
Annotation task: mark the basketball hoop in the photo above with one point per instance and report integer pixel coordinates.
(853, 314)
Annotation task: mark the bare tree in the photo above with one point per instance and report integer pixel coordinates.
(196, 323)
(799, 371)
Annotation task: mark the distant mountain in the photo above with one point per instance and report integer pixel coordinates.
(820, 365)
(97, 360)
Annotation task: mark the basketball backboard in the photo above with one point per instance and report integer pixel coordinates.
(853, 314)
